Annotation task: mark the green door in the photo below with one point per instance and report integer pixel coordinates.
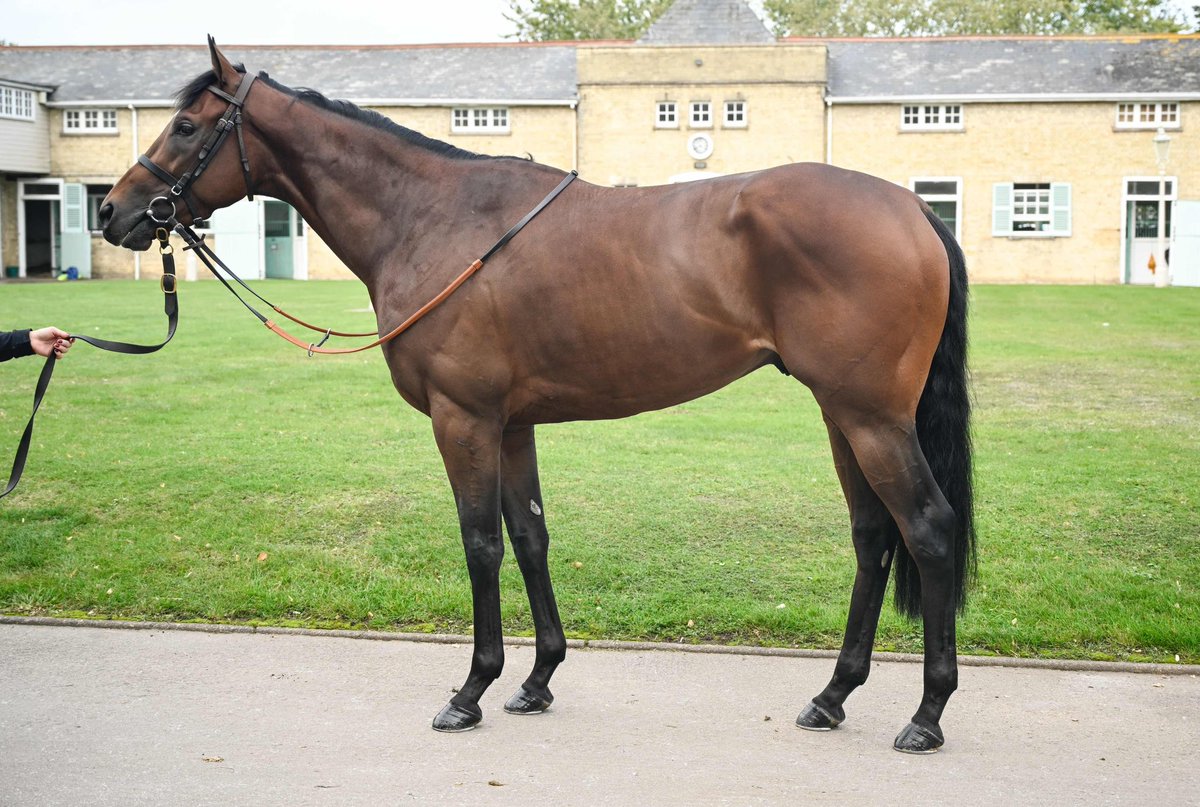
(277, 238)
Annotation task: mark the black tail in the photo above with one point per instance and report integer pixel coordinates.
(943, 428)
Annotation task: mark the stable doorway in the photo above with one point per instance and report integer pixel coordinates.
(52, 232)
(1147, 205)
(283, 241)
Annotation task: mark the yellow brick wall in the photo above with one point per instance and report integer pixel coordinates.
(8, 220)
(1024, 142)
(620, 87)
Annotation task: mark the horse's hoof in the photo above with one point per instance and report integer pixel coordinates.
(525, 702)
(919, 740)
(818, 718)
(455, 718)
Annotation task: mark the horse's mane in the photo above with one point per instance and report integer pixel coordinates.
(191, 92)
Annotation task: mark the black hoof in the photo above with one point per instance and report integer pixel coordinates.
(528, 703)
(455, 718)
(919, 740)
(818, 718)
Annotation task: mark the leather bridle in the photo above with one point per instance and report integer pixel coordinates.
(180, 187)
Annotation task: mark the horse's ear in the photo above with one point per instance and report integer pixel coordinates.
(222, 68)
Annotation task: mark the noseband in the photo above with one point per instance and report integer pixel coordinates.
(161, 209)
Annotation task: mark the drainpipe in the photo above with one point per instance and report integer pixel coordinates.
(828, 131)
(137, 256)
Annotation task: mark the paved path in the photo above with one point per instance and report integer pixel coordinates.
(93, 716)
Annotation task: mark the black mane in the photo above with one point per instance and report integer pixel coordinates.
(191, 92)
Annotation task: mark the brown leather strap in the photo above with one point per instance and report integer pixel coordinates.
(399, 329)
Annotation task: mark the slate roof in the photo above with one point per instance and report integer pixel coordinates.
(962, 68)
(708, 22)
(530, 73)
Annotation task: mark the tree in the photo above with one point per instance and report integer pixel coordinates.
(969, 17)
(560, 20)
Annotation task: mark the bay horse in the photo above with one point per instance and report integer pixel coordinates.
(610, 303)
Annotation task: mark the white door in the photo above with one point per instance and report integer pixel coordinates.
(76, 238)
(1185, 248)
(1148, 208)
(237, 235)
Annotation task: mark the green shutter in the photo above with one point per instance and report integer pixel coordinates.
(74, 208)
(1002, 208)
(1060, 208)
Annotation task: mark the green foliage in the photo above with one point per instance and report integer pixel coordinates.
(969, 17)
(565, 20)
(231, 479)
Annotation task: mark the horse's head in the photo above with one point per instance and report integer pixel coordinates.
(185, 174)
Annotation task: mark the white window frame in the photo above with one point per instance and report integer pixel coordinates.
(733, 110)
(931, 117)
(956, 197)
(1007, 199)
(1140, 115)
(666, 115)
(480, 120)
(17, 104)
(700, 115)
(89, 121)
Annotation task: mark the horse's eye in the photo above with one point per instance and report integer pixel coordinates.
(185, 128)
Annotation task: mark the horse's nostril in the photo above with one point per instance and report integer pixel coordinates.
(105, 215)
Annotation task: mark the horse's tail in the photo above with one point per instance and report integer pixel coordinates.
(943, 428)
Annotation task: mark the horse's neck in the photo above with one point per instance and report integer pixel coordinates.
(360, 189)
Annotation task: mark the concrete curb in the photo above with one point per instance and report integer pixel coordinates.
(602, 644)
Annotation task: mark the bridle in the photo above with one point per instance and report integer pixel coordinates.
(230, 120)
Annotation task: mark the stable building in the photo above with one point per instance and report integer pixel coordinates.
(1039, 152)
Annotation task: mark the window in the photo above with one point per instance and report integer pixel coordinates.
(931, 117)
(1031, 209)
(944, 197)
(95, 195)
(1148, 115)
(701, 115)
(90, 121)
(16, 103)
(735, 115)
(481, 120)
(666, 117)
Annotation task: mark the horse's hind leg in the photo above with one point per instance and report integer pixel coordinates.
(891, 460)
(470, 449)
(521, 504)
(874, 534)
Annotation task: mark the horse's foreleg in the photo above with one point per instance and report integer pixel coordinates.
(891, 459)
(470, 448)
(521, 503)
(874, 534)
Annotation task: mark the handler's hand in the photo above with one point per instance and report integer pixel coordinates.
(45, 340)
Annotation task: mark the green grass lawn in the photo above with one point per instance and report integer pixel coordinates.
(231, 479)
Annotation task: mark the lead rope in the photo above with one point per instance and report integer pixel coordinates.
(170, 308)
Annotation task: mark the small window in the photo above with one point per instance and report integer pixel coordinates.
(1031, 209)
(735, 115)
(90, 121)
(479, 120)
(944, 197)
(15, 103)
(666, 116)
(931, 117)
(95, 195)
(1148, 115)
(701, 115)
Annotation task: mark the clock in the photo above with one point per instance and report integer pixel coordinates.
(700, 146)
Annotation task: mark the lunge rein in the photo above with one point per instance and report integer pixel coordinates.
(179, 188)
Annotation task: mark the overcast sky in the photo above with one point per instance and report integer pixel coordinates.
(260, 22)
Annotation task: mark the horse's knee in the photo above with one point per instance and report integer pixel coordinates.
(930, 538)
(485, 552)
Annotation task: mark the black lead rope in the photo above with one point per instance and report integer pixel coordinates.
(170, 308)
